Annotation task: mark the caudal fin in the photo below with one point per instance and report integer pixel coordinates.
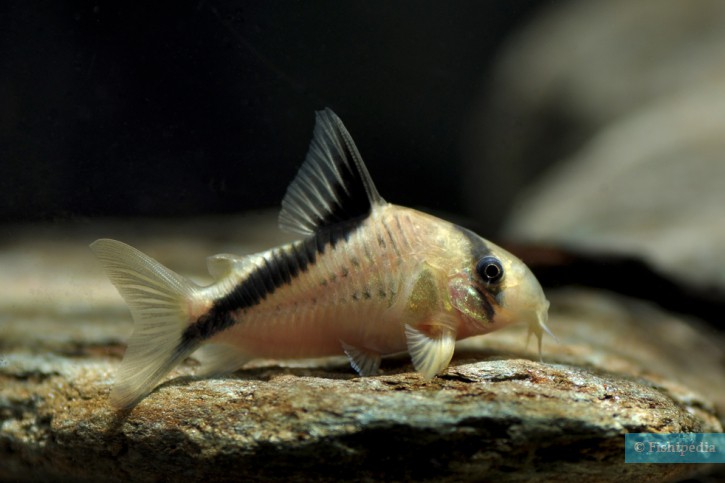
(160, 302)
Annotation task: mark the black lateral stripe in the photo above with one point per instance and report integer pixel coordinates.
(342, 232)
(284, 272)
(264, 282)
(275, 270)
(320, 241)
(255, 285)
(279, 267)
(311, 250)
(207, 325)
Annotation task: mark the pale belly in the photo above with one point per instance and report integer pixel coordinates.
(352, 294)
(315, 330)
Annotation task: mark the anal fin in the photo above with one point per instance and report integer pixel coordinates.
(217, 359)
(365, 362)
(430, 354)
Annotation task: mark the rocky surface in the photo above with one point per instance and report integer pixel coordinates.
(499, 413)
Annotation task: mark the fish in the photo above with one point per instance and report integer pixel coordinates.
(367, 279)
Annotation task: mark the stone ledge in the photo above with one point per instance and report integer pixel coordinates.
(511, 419)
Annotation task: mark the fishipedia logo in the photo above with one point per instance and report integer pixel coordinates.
(674, 448)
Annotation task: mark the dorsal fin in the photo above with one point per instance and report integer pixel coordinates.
(333, 184)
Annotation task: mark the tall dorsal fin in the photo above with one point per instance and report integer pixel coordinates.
(333, 184)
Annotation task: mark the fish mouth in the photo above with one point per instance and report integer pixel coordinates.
(525, 302)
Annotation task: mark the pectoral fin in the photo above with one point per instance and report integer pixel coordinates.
(365, 362)
(430, 354)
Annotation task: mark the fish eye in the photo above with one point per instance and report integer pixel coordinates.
(490, 269)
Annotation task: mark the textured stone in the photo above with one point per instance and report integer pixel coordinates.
(495, 418)
(498, 413)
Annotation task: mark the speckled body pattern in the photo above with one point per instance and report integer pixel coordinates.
(358, 291)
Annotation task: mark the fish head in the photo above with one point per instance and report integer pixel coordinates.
(493, 289)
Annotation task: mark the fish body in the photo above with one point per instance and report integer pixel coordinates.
(369, 278)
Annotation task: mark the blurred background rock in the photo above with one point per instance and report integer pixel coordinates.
(627, 101)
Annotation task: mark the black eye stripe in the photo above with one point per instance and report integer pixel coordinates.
(490, 269)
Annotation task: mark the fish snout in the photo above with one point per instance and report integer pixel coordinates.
(524, 300)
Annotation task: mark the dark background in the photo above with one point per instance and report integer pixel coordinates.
(186, 108)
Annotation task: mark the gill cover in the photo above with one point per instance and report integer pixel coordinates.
(470, 301)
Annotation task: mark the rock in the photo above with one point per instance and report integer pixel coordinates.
(649, 185)
(498, 413)
(628, 99)
(481, 419)
(576, 68)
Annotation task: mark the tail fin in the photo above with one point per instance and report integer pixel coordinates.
(160, 302)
